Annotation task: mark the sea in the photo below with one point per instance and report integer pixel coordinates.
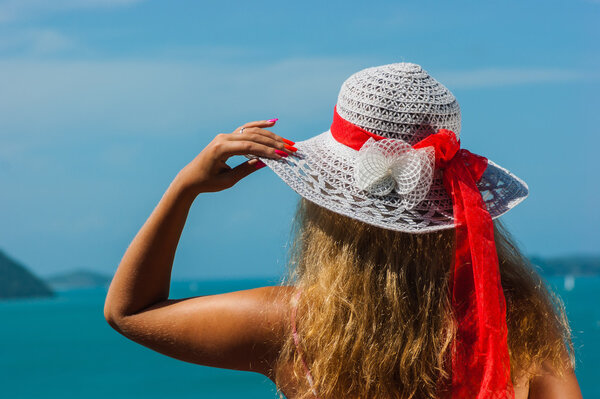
(62, 348)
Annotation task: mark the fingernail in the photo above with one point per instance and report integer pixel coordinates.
(290, 142)
(289, 147)
(281, 153)
(259, 164)
(273, 120)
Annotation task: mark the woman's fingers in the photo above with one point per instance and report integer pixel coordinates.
(244, 169)
(263, 136)
(244, 147)
(261, 125)
(264, 123)
(257, 130)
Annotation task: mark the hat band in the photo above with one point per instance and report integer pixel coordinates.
(348, 133)
(480, 358)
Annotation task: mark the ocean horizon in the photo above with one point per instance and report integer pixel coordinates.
(62, 347)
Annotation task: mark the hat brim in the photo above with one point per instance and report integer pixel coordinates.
(322, 172)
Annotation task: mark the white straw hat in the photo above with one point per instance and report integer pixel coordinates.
(401, 102)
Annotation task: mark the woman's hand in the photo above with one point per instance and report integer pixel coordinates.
(209, 172)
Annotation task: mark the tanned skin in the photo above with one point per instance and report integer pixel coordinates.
(241, 330)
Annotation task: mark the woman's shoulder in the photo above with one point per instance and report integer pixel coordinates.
(272, 304)
(549, 383)
(272, 308)
(274, 292)
(277, 302)
(272, 298)
(275, 299)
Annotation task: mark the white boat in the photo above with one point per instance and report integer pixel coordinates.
(569, 282)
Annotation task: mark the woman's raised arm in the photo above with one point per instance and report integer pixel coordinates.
(202, 330)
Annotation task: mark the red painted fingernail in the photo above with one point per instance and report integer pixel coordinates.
(289, 147)
(281, 153)
(290, 142)
(259, 164)
(273, 120)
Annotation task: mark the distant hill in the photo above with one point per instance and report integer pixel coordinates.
(17, 282)
(574, 265)
(78, 279)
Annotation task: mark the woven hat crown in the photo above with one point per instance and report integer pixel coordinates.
(399, 101)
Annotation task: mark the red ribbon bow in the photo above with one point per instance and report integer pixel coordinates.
(480, 357)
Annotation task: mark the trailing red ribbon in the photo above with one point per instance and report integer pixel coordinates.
(480, 358)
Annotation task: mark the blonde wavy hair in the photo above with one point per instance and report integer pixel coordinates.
(375, 318)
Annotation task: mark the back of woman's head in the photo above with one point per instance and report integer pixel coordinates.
(375, 315)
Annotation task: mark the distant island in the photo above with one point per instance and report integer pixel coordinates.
(80, 278)
(18, 282)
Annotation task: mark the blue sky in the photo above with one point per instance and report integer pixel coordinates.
(103, 101)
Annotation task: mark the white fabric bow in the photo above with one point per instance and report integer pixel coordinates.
(392, 164)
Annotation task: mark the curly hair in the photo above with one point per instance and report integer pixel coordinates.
(375, 316)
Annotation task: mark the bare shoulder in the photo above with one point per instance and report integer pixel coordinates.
(271, 305)
(273, 295)
(272, 302)
(271, 324)
(548, 384)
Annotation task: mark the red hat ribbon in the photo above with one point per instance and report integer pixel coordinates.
(480, 358)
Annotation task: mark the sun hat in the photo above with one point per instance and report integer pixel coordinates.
(396, 101)
(392, 159)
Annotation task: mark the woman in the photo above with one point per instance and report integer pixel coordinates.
(401, 286)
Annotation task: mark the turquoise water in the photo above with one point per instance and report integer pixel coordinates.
(63, 348)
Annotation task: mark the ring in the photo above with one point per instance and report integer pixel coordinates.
(242, 130)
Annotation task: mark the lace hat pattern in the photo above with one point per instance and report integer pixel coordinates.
(399, 102)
